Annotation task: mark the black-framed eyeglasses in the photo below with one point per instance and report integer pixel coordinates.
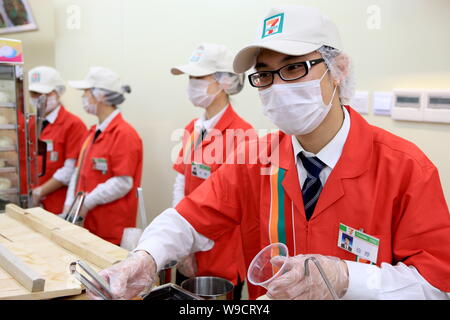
(290, 72)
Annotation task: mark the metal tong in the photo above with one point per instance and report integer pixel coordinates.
(323, 274)
(75, 208)
(98, 285)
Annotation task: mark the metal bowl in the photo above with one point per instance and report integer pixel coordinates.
(210, 288)
(167, 275)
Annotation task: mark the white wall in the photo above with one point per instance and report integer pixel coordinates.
(142, 40)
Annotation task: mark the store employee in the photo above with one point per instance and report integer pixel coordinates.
(109, 167)
(62, 131)
(211, 83)
(329, 172)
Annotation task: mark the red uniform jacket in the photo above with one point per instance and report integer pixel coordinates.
(225, 260)
(64, 138)
(119, 147)
(381, 183)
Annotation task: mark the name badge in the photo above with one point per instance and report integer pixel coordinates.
(359, 243)
(54, 156)
(200, 170)
(100, 164)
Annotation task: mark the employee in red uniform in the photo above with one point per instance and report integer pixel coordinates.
(109, 167)
(62, 131)
(330, 175)
(211, 82)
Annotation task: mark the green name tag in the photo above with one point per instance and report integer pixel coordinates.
(357, 242)
(100, 164)
(200, 170)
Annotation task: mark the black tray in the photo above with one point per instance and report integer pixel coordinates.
(171, 291)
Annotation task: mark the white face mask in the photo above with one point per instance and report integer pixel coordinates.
(52, 104)
(89, 107)
(295, 108)
(198, 93)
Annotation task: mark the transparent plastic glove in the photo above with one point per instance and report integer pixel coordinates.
(188, 266)
(129, 278)
(84, 211)
(294, 285)
(36, 196)
(63, 215)
(66, 209)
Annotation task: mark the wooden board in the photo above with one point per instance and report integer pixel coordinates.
(28, 278)
(37, 237)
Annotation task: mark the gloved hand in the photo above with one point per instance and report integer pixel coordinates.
(188, 266)
(66, 209)
(62, 215)
(294, 285)
(130, 277)
(36, 196)
(83, 212)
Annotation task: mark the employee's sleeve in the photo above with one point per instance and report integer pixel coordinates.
(126, 154)
(170, 237)
(64, 173)
(179, 165)
(421, 232)
(70, 195)
(178, 189)
(111, 190)
(75, 138)
(388, 282)
(214, 208)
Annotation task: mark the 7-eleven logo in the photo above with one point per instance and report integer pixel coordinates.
(197, 55)
(36, 77)
(273, 25)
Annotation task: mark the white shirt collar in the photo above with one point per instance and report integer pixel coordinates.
(331, 153)
(102, 126)
(202, 123)
(52, 116)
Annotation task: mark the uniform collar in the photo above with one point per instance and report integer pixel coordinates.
(354, 161)
(203, 123)
(222, 124)
(227, 118)
(102, 126)
(356, 152)
(52, 116)
(331, 153)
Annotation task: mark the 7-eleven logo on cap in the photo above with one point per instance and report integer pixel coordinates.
(197, 55)
(35, 77)
(273, 25)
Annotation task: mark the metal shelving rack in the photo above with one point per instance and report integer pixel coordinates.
(18, 132)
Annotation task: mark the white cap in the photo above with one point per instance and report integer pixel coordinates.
(207, 59)
(99, 77)
(293, 30)
(44, 80)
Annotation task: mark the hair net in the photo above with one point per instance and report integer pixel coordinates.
(231, 83)
(60, 90)
(109, 97)
(341, 68)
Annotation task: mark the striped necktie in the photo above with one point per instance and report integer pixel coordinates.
(312, 186)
